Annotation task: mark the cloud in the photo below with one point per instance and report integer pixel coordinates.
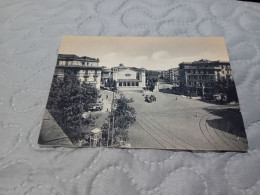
(159, 55)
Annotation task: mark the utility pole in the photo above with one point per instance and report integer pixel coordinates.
(80, 115)
(108, 133)
(113, 119)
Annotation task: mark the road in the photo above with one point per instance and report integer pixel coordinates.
(177, 122)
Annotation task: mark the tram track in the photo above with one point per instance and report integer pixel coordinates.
(229, 139)
(203, 132)
(233, 141)
(150, 135)
(180, 141)
(159, 136)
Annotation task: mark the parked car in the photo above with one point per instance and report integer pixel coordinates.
(96, 107)
(150, 98)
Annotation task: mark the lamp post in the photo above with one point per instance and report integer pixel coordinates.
(113, 119)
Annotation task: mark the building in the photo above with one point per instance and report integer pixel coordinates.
(128, 78)
(199, 78)
(86, 69)
(165, 75)
(105, 77)
(174, 77)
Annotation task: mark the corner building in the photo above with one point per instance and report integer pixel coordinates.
(85, 68)
(200, 77)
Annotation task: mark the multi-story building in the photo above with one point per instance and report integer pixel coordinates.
(200, 77)
(174, 77)
(165, 74)
(106, 77)
(128, 78)
(85, 68)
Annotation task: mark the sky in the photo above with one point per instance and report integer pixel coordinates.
(152, 53)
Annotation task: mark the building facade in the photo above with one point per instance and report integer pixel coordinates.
(200, 77)
(174, 77)
(165, 74)
(105, 77)
(85, 68)
(128, 78)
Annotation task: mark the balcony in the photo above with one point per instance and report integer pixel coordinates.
(202, 68)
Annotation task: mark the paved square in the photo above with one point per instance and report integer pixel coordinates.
(178, 122)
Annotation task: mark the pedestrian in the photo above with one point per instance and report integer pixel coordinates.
(106, 96)
(176, 98)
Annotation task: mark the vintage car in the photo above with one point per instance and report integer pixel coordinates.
(150, 98)
(95, 107)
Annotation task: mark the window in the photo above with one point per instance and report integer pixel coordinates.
(128, 83)
(136, 84)
(120, 84)
(133, 84)
(127, 75)
(124, 83)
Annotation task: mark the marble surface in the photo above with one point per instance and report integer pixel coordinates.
(30, 35)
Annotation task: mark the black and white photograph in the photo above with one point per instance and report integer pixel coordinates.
(174, 93)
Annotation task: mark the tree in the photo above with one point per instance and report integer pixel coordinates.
(124, 116)
(111, 84)
(227, 86)
(68, 100)
(151, 79)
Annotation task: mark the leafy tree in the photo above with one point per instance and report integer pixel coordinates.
(231, 91)
(68, 100)
(111, 84)
(227, 86)
(124, 116)
(151, 79)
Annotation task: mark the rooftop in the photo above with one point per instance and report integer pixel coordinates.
(205, 61)
(73, 57)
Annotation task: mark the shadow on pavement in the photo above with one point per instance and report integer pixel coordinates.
(165, 91)
(229, 120)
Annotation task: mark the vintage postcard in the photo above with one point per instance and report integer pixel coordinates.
(174, 93)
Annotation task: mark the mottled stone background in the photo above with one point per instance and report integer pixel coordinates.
(30, 33)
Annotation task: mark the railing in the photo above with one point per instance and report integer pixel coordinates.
(206, 68)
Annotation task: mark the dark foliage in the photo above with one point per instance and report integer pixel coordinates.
(124, 116)
(151, 79)
(68, 100)
(227, 86)
(111, 84)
